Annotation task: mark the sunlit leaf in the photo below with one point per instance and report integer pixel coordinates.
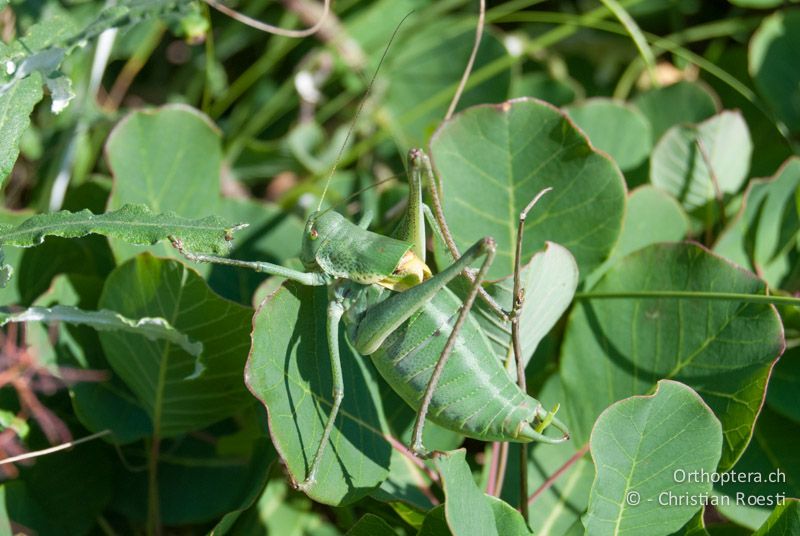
(724, 350)
(493, 160)
(136, 224)
(698, 163)
(616, 128)
(152, 328)
(289, 370)
(638, 446)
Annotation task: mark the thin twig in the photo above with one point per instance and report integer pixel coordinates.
(468, 70)
(402, 449)
(269, 28)
(560, 471)
(501, 467)
(492, 479)
(63, 446)
(519, 300)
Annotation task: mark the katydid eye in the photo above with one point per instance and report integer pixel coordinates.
(313, 234)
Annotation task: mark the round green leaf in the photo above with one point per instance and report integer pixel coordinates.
(688, 157)
(774, 67)
(684, 102)
(653, 216)
(180, 392)
(169, 159)
(492, 160)
(616, 128)
(558, 92)
(289, 371)
(764, 234)
(724, 350)
(639, 445)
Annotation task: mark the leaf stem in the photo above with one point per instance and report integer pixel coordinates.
(432, 475)
(690, 295)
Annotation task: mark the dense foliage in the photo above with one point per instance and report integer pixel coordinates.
(661, 272)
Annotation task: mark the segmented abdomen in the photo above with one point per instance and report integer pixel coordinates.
(475, 395)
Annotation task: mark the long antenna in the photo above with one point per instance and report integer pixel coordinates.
(358, 112)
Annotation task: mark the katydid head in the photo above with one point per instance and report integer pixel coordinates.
(340, 248)
(319, 228)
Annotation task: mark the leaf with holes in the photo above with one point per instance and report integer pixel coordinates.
(168, 159)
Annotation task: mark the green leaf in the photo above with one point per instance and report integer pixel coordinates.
(16, 106)
(179, 392)
(170, 160)
(155, 329)
(540, 85)
(616, 128)
(689, 159)
(466, 509)
(549, 281)
(402, 489)
(764, 234)
(783, 395)
(81, 259)
(653, 216)
(785, 519)
(371, 525)
(684, 102)
(492, 160)
(132, 223)
(638, 446)
(771, 61)
(47, 499)
(771, 466)
(289, 371)
(435, 523)
(506, 518)
(197, 483)
(615, 348)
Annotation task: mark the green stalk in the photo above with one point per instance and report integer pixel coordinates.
(689, 295)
